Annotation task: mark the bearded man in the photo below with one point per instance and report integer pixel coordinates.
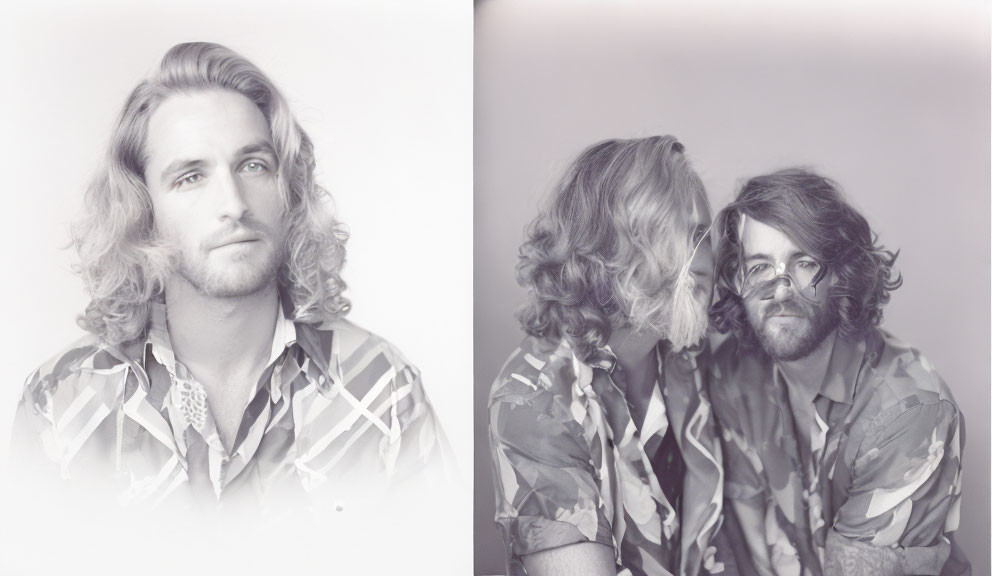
(604, 451)
(842, 445)
(219, 367)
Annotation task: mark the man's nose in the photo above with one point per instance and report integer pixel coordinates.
(783, 288)
(231, 204)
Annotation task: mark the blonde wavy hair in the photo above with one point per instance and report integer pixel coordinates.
(613, 245)
(122, 262)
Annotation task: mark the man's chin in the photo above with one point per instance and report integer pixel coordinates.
(231, 283)
(235, 290)
(786, 343)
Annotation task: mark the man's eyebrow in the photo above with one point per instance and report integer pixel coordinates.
(177, 166)
(792, 256)
(256, 148)
(758, 256)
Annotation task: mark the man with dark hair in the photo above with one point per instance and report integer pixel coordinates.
(842, 445)
(220, 366)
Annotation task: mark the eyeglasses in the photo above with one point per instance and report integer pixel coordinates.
(763, 277)
(800, 272)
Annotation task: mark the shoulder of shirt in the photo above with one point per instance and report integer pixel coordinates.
(87, 351)
(353, 339)
(536, 368)
(360, 347)
(102, 363)
(901, 377)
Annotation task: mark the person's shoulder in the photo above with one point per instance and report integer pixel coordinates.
(59, 380)
(905, 410)
(355, 344)
(534, 406)
(374, 371)
(87, 352)
(537, 368)
(901, 375)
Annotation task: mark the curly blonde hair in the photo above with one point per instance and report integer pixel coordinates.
(122, 262)
(610, 248)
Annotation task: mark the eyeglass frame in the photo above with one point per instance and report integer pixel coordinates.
(781, 269)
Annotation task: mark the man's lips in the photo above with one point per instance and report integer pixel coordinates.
(783, 315)
(240, 238)
(781, 312)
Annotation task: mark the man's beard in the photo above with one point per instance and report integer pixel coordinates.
(689, 314)
(237, 275)
(792, 341)
(251, 279)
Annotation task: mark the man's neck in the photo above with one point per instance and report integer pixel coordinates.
(807, 374)
(215, 336)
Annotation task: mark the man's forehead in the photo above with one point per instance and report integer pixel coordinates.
(757, 237)
(203, 122)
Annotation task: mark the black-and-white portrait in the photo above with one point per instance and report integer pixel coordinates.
(732, 296)
(506, 287)
(239, 290)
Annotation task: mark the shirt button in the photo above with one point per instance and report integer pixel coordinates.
(339, 506)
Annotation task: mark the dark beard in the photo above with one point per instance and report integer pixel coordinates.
(822, 319)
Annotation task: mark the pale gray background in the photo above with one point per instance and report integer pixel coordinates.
(891, 100)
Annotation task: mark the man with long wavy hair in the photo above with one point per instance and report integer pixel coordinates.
(604, 451)
(219, 365)
(842, 445)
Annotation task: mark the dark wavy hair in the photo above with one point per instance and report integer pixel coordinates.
(607, 250)
(812, 212)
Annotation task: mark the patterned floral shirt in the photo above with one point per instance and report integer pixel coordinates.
(879, 463)
(336, 408)
(570, 464)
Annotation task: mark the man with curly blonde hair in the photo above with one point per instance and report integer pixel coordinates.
(605, 455)
(219, 366)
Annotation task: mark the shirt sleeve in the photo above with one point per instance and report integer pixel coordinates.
(905, 487)
(547, 486)
(31, 451)
(423, 451)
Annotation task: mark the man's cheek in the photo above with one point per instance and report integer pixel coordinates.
(753, 309)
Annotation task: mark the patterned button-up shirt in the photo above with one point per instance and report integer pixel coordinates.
(336, 408)
(879, 463)
(570, 464)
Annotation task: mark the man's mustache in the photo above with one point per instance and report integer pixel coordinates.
(785, 308)
(246, 227)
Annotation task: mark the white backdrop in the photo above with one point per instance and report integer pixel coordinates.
(384, 90)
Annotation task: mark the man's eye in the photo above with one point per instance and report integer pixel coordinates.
(254, 167)
(807, 265)
(758, 268)
(189, 179)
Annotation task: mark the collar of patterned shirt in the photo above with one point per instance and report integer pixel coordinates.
(337, 410)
